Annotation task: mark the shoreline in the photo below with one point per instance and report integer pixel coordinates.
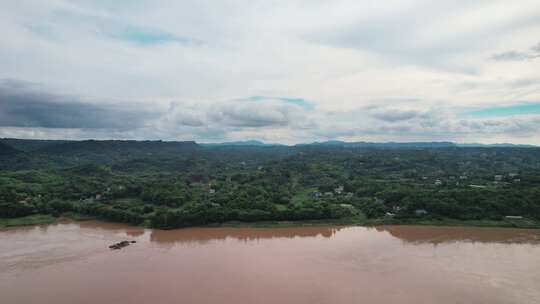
(44, 219)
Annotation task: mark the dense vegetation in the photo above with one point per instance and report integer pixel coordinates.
(179, 184)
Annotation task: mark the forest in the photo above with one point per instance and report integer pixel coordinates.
(179, 184)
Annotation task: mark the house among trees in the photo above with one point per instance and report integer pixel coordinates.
(478, 186)
(420, 212)
(513, 217)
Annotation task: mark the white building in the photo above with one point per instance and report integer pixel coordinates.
(339, 189)
(420, 212)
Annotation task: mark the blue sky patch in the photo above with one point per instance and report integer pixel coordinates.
(517, 109)
(149, 36)
(43, 30)
(306, 105)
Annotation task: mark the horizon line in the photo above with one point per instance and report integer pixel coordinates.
(261, 142)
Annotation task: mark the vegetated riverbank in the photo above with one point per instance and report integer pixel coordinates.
(504, 223)
(35, 219)
(41, 219)
(360, 220)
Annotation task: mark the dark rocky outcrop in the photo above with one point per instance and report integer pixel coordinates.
(121, 245)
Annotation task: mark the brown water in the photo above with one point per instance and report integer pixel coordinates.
(71, 263)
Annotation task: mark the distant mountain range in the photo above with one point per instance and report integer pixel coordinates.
(405, 145)
(498, 145)
(394, 145)
(363, 144)
(10, 146)
(256, 143)
(121, 148)
(28, 145)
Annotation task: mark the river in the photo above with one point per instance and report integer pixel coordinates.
(71, 263)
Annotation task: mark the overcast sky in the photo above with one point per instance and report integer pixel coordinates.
(279, 71)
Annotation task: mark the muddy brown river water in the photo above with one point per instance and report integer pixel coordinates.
(71, 263)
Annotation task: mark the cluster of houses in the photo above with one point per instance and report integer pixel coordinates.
(397, 209)
(28, 199)
(497, 179)
(338, 191)
(452, 179)
(513, 177)
(101, 195)
(92, 198)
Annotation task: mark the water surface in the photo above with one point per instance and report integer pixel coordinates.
(71, 263)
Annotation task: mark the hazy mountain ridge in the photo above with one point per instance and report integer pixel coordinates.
(251, 142)
(66, 147)
(28, 145)
(363, 144)
(116, 145)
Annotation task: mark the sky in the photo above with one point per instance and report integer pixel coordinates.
(291, 71)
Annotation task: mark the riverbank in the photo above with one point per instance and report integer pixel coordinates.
(350, 221)
(505, 223)
(525, 224)
(36, 219)
(42, 219)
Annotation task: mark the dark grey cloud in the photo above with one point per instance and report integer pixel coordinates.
(186, 116)
(253, 120)
(515, 126)
(396, 114)
(190, 120)
(536, 48)
(393, 115)
(524, 82)
(434, 125)
(519, 83)
(24, 104)
(513, 55)
(510, 56)
(255, 114)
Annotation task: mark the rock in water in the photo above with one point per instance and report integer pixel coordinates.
(120, 245)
